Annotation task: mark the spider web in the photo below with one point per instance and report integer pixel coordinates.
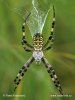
(37, 19)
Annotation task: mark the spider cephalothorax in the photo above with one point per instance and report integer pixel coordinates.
(38, 48)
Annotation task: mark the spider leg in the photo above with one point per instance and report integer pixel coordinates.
(25, 48)
(49, 47)
(24, 42)
(51, 37)
(22, 71)
(52, 74)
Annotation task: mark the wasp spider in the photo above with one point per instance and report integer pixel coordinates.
(38, 48)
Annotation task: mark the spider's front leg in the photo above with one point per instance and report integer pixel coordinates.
(22, 71)
(52, 74)
(51, 37)
(24, 42)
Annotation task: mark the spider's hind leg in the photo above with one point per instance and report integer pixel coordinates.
(51, 37)
(24, 42)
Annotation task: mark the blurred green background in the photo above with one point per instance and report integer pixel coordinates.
(36, 84)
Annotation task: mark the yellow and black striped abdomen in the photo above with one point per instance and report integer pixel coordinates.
(38, 41)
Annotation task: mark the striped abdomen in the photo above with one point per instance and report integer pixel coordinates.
(38, 41)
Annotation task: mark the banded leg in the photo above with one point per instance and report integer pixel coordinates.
(52, 74)
(24, 42)
(25, 48)
(22, 71)
(51, 45)
(51, 37)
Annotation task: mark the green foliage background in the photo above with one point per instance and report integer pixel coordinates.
(36, 84)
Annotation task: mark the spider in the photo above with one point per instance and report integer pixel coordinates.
(38, 48)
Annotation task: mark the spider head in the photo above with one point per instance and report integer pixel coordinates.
(38, 55)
